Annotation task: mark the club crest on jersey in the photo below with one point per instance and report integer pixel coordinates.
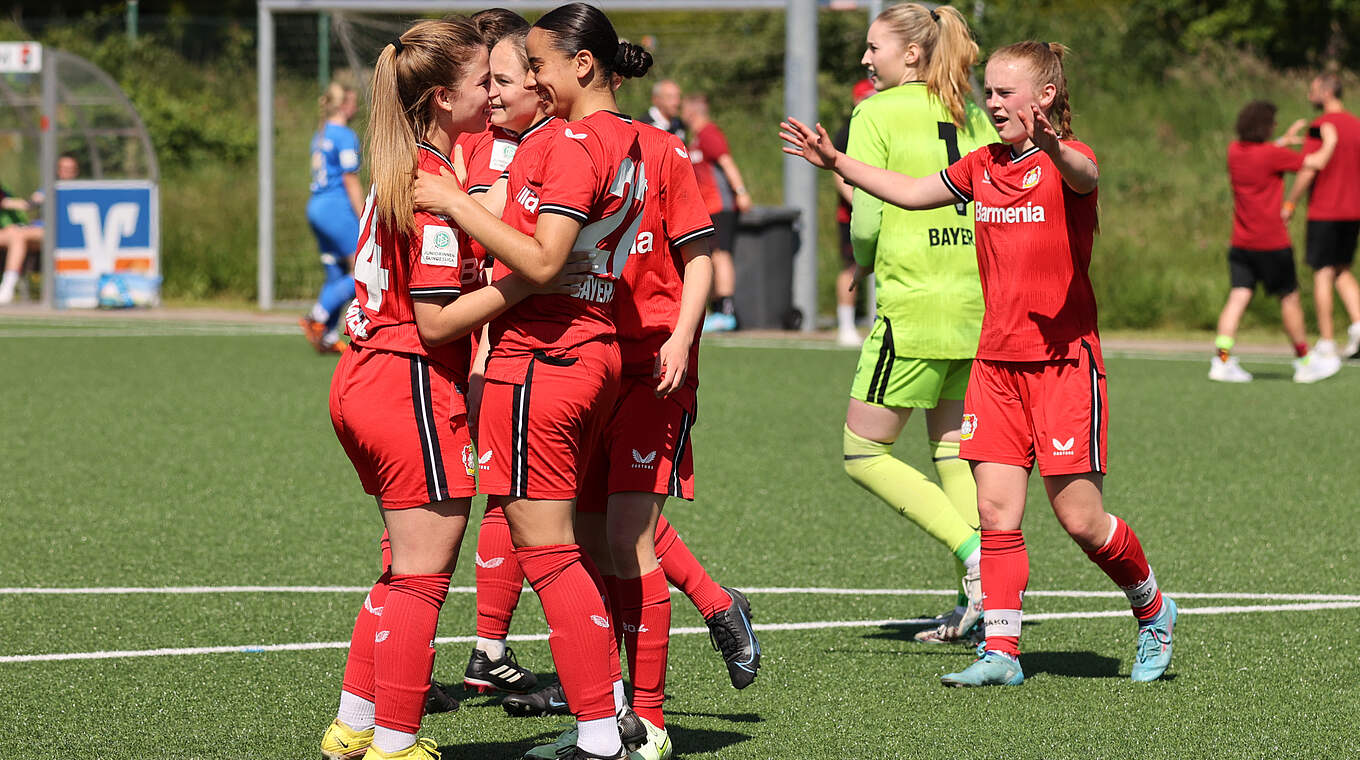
(438, 247)
(469, 460)
(968, 427)
(1032, 178)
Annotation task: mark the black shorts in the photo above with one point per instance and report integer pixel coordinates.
(724, 230)
(847, 247)
(1273, 269)
(1332, 244)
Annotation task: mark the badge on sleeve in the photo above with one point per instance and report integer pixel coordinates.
(502, 152)
(439, 247)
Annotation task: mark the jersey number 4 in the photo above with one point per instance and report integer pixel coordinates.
(368, 259)
(608, 240)
(950, 134)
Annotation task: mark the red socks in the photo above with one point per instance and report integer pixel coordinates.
(685, 572)
(359, 664)
(581, 638)
(499, 578)
(1005, 574)
(645, 614)
(1122, 559)
(403, 650)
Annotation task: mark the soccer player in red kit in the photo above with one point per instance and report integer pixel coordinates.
(1333, 217)
(1037, 390)
(396, 398)
(1260, 249)
(553, 369)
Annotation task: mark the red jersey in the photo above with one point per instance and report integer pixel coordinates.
(1256, 170)
(391, 269)
(709, 145)
(587, 170)
(488, 157)
(1034, 236)
(647, 304)
(1335, 196)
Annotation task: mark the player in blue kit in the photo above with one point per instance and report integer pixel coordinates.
(333, 212)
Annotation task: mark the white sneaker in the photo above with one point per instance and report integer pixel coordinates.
(1352, 341)
(1228, 371)
(1316, 366)
(847, 335)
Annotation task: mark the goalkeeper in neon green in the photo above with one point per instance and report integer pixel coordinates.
(929, 301)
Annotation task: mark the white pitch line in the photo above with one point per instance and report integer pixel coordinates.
(691, 631)
(763, 590)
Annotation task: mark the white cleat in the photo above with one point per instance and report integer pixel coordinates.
(1352, 349)
(1228, 371)
(1316, 366)
(848, 336)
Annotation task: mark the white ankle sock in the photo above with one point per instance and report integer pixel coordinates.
(494, 649)
(355, 711)
(390, 740)
(7, 284)
(599, 737)
(845, 317)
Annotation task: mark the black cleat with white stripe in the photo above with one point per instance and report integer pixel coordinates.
(504, 674)
(732, 635)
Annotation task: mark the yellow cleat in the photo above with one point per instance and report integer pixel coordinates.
(423, 749)
(340, 742)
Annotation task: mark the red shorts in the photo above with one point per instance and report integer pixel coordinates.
(539, 418)
(645, 446)
(402, 420)
(1052, 412)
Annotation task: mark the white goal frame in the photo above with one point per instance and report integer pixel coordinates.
(800, 101)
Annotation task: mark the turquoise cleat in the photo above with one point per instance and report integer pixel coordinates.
(1154, 644)
(992, 669)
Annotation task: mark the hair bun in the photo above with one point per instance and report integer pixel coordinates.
(631, 60)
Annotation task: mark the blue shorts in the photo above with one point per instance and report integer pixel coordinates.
(335, 226)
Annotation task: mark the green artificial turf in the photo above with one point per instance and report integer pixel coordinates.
(203, 456)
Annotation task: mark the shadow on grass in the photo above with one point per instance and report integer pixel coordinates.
(905, 632)
(690, 739)
(697, 740)
(1070, 664)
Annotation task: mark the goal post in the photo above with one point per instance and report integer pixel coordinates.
(800, 100)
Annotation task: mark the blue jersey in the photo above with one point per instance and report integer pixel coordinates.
(335, 152)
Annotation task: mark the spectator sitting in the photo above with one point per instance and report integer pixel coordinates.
(724, 191)
(19, 232)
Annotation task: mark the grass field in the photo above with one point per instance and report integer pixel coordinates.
(145, 454)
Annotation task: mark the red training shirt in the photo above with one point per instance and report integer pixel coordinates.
(391, 269)
(586, 170)
(1256, 170)
(647, 305)
(708, 145)
(1034, 236)
(1335, 196)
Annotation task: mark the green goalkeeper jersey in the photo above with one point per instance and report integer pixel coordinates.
(924, 262)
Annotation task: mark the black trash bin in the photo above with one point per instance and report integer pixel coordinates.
(766, 241)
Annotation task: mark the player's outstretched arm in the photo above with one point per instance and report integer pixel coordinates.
(537, 259)
(912, 193)
(440, 320)
(673, 358)
(1079, 172)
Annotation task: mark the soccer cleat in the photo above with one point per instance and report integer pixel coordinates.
(731, 634)
(719, 322)
(1228, 371)
(439, 699)
(1352, 349)
(635, 733)
(314, 332)
(657, 747)
(504, 674)
(1316, 366)
(550, 700)
(1154, 644)
(340, 742)
(992, 669)
(425, 748)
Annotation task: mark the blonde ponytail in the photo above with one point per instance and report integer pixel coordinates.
(947, 48)
(427, 56)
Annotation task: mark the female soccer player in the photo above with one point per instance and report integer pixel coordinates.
(1260, 249)
(929, 302)
(1037, 389)
(553, 369)
(333, 212)
(396, 398)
